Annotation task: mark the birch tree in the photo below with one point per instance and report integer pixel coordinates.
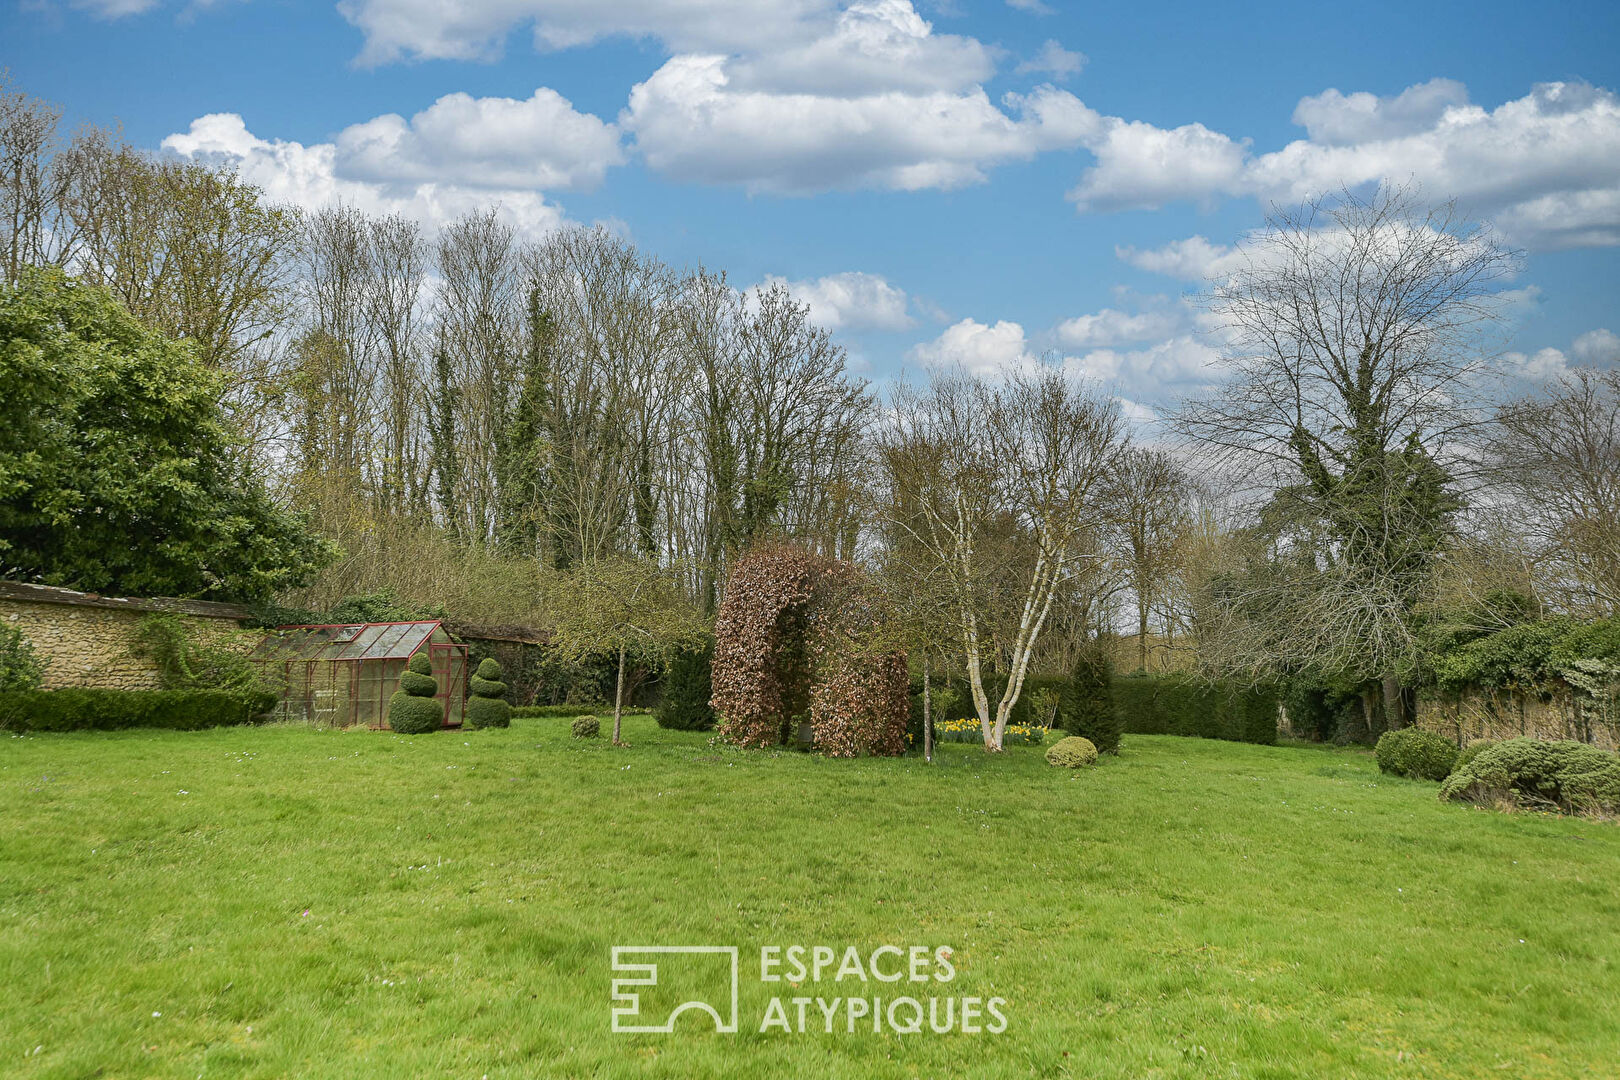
(998, 486)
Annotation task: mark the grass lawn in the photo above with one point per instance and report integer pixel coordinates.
(288, 902)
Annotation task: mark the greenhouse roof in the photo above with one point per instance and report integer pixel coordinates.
(364, 641)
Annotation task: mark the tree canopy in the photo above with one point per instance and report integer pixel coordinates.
(118, 471)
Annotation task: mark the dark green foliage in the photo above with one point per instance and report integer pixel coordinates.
(1089, 710)
(118, 470)
(485, 712)
(486, 688)
(111, 710)
(410, 714)
(1321, 713)
(418, 685)
(1416, 754)
(586, 727)
(1183, 705)
(1539, 774)
(1072, 753)
(558, 712)
(20, 668)
(414, 709)
(382, 606)
(487, 707)
(687, 690)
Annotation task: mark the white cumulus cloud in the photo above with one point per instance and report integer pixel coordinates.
(979, 348)
(1192, 259)
(307, 176)
(497, 142)
(850, 301)
(1054, 60)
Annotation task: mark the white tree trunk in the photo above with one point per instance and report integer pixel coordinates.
(928, 715)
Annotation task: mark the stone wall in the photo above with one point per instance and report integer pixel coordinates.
(85, 640)
(1505, 715)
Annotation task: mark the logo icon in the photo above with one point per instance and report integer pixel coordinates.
(643, 976)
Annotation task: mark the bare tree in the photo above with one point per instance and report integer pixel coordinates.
(1559, 455)
(998, 486)
(1147, 493)
(1357, 329)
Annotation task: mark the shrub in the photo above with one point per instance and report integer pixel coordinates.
(20, 668)
(487, 707)
(168, 642)
(1540, 774)
(688, 686)
(112, 710)
(1472, 750)
(1090, 710)
(414, 710)
(1072, 752)
(586, 727)
(1415, 753)
(560, 712)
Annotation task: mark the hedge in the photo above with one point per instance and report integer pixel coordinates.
(1540, 774)
(563, 712)
(1182, 705)
(112, 710)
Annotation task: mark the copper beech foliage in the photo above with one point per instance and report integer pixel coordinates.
(799, 636)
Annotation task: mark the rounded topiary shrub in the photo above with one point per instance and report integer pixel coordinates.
(1471, 750)
(414, 709)
(1540, 774)
(1415, 753)
(1072, 752)
(586, 727)
(487, 707)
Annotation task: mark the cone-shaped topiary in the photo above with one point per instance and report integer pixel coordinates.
(487, 706)
(1072, 752)
(414, 709)
(1089, 710)
(687, 690)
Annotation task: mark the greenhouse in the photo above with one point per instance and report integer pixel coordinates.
(340, 676)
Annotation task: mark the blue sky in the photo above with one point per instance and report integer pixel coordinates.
(871, 153)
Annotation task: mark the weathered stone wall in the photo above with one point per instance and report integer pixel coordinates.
(1506, 715)
(85, 640)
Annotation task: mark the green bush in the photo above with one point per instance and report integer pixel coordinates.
(1540, 774)
(1071, 753)
(1415, 753)
(111, 710)
(586, 727)
(418, 685)
(487, 707)
(562, 712)
(1089, 709)
(687, 690)
(414, 709)
(20, 668)
(1472, 750)
(412, 715)
(1322, 713)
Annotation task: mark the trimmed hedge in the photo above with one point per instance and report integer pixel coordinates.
(562, 712)
(112, 710)
(1181, 705)
(1415, 754)
(1540, 774)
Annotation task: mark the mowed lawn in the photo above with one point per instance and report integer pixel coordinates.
(288, 902)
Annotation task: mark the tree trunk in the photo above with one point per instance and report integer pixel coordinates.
(1394, 704)
(1141, 633)
(928, 716)
(618, 699)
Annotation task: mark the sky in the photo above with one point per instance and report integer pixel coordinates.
(972, 181)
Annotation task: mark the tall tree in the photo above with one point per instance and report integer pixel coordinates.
(1357, 328)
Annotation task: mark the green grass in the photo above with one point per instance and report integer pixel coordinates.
(1190, 909)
